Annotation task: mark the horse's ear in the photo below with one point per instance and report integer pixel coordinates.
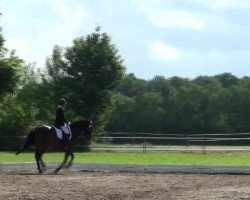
(90, 124)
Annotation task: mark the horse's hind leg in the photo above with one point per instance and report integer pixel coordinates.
(38, 158)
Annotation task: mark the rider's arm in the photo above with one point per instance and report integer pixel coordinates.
(62, 116)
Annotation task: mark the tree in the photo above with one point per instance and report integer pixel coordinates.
(123, 115)
(9, 73)
(1, 40)
(9, 69)
(177, 82)
(227, 79)
(148, 112)
(158, 83)
(86, 74)
(14, 119)
(132, 86)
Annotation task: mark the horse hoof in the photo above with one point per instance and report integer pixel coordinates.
(44, 169)
(67, 166)
(40, 171)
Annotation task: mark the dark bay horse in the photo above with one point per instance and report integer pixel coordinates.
(45, 137)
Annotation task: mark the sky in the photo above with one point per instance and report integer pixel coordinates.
(186, 38)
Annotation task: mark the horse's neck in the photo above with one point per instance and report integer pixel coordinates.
(75, 132)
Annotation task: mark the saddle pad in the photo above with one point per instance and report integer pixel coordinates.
(58, 133)
(61, 131)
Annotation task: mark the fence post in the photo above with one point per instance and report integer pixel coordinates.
(204, 146)
(144, 145)
(187, 141)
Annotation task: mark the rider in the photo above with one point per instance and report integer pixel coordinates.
(61, 122)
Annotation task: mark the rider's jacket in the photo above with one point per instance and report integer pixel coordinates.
(60, 118)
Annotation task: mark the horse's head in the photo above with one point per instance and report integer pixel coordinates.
(84, 128)
(88, 130)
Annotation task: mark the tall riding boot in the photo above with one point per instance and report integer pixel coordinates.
(64, 141)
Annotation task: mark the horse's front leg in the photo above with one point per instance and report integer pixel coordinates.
(38, 157)
(43, 164)
(66, 155)
(70, 163)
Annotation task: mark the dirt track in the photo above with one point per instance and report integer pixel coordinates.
(114, 185)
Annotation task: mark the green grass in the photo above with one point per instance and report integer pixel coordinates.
(138, 158)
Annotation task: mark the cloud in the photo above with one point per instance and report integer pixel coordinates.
(16, 43)
(172, 18)
(48, 23)
(224, 4)
(173, 14)
(163, 52)
(71, 18)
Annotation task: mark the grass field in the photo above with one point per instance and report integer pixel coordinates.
(138, 158)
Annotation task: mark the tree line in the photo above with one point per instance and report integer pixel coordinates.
(205, 104)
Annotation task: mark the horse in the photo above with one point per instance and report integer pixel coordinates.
(45, 137)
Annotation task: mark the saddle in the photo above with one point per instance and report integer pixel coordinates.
(63, 131)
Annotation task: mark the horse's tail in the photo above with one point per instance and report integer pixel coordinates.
(30, 140)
